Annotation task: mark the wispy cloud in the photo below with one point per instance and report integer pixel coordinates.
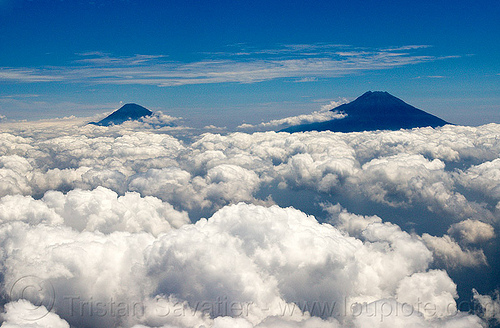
(28, 75)
(306, 79)
(431, 77)
(103, 59)
(408, 47)
(300, 62)
(326, 113)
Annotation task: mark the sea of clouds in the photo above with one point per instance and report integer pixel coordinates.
(139, 226)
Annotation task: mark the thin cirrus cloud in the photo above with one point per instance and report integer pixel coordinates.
(301, 62)
(28, 75)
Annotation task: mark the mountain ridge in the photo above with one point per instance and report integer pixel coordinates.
(373, 110)
(127, 112)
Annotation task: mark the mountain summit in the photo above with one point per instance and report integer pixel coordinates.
(371, 111)
(127, 112)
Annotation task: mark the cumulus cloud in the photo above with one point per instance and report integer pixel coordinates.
(246, 263)
(448, 252)
(98, 210)
(433, 287)
(14, 171)
(400, 169)
(154, 223)
(403, 179)
(472, 231)
(490, 305)
(156, 120)
(23, 314)
(381, 314)
(485, 177)
(353, 224)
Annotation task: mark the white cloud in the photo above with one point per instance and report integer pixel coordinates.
(325, 114)
(29, 75)
(399, 179)
(333, 104)
(402, 169)
(158, 119)
(483, 178)
(433, 287)
(353, 224)
(102, 210)
(381, 314)
(294, 120)
(303, 62)
(13, 171)
(472, 231)
(267, 261)
(102, 213)
(306, 79)
(490, 305)
(448, 252)
(23, 314)
(98, 210)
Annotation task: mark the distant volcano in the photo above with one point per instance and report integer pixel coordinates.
(371, 111)
(127, 112)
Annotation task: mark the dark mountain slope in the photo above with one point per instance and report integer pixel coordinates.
(127, 112)
(374, 111)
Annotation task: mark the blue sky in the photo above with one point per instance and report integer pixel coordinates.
(228, 62)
